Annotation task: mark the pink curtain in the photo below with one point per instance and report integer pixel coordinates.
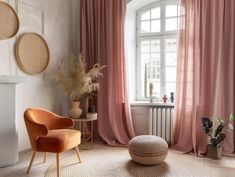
(206, 70)
(102, 41)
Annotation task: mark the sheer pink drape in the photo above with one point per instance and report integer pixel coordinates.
(102, 41)
(206, 70)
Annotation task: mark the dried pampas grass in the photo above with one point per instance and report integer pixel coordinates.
(72, 77)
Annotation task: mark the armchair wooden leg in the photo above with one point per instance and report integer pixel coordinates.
(31, 162)
(45, 157)
(78, 154)
(58, 164)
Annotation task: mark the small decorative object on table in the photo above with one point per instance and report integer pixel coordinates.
(75, 81)
(164, 98)
(172, 97)
(91, 115)
(214, 148)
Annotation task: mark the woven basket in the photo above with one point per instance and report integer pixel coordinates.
(32, 53)
(9, 21)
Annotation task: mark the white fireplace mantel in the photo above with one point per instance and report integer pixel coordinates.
(12, 79)
(9, 153)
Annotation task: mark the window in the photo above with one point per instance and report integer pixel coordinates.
(157, 34)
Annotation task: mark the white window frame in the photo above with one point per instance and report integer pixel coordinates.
(157, 35)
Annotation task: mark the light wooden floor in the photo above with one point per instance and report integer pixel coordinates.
(223, 168)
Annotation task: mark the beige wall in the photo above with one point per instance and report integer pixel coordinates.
(53, 19)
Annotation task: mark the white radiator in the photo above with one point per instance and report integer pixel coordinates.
(160, 121)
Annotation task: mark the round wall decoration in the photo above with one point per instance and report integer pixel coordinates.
(32, 53)
(9, 21)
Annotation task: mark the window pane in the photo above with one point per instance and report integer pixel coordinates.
(145, 46)
(144, 59)
(155, 13)
(142, 81)
(179, 13)
(171, 59)
(171, 45)
(149, 71)
(171, 10)
(170, 74)
(178, 22)
(153, 54)
(152, 76)
(156, 88)
(146, 16)
(170, 87)
(155, 46)
(155, 26)
(155, 58)
(145, 26)
(156, 74)
(171, 24)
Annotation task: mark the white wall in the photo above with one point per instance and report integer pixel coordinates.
(57, 18)
(140, 119)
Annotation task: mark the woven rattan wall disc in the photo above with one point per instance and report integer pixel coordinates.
(9, 21)
(32, 53)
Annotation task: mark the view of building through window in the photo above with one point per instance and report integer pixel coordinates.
(157, 34)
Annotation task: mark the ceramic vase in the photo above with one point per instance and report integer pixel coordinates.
(75, 111)
(164, 98)
(172, 97)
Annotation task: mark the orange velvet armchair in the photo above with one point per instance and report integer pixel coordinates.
(47, 133)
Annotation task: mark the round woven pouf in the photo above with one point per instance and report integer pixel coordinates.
(148, 149)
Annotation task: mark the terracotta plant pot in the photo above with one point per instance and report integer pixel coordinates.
(213, 152)
(75, 111)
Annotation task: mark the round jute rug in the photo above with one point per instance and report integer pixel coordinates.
(116, 162)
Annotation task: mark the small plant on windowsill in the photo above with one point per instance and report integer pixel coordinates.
(214, 148)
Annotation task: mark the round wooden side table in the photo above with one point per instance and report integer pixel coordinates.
(82, 122)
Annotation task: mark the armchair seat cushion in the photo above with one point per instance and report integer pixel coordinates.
(59, 140)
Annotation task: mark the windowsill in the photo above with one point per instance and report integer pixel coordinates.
(147, 103)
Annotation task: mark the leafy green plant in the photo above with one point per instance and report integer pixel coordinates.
(216, 136)
(71, 76)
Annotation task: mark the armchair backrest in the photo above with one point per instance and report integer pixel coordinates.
(38, 121)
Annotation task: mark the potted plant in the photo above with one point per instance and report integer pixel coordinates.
(72, 77)
(214, 148)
